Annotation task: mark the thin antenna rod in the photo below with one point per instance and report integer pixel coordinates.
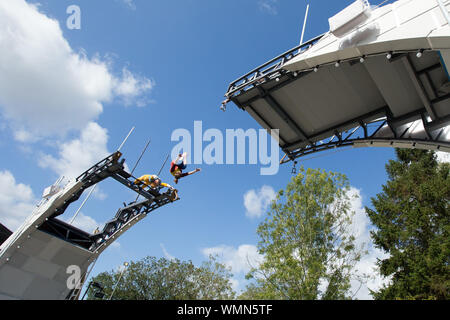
(143, 151)
(163, 165)
(93, 188)
(304, 24)
(132, 129)
(82, 205)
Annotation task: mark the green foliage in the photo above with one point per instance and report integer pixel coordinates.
(163, 279)
(412, 218)
(306, 242)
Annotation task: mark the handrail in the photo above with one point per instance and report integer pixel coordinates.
(258, 72)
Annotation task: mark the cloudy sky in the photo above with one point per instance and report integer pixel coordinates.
(68, 97)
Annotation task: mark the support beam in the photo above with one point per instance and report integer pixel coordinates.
(266, 124)
(419, 87)
(282, 114)
(442, 122)
(381, 112)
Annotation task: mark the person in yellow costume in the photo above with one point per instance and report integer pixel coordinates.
(152, 181)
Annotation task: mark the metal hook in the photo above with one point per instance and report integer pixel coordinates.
(294, 170)
(223, 107)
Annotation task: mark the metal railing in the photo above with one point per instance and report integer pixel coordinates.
(268, 69)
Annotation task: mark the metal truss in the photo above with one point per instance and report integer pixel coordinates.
(125, 217)
(123, 220)
(66, 232)
(108, 167)
(410, 131)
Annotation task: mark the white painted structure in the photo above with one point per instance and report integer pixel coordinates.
(33, 264)
(37, 260)
(384, 67)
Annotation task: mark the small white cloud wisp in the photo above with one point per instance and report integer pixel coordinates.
(256, 202)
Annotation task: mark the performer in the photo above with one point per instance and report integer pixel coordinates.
(178, 165)
(152, 181)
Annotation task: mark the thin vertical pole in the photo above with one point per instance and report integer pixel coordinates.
(82, 205)
(304, 24)
(163, 165)
(143, 151)
(120, 278)
(132, 129)
(93, 188)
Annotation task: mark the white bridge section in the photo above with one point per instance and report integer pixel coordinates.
(33, 264)
(34, 260)
(379, 77)
(404, 25)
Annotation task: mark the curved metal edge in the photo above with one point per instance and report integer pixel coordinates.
(372, 142)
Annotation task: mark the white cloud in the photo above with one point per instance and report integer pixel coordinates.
(115, 245)
(78, 155)
(85, 223)
(256, 202)
(45, 87)
(132, 88)
(166, 254)
(443, 156)
(367, 265)
(130, 4)
(99, 194)
(241, 260)
(17, 201)
(269, 6)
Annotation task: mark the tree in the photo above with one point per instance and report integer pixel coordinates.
(412, 216)
(308, 248)
(163, 279)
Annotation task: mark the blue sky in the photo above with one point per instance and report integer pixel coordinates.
(71, 96)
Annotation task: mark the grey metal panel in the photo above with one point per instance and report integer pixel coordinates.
(53, 245)
(41, 267)
(43, 289)
(18, 260)
(395, 85)
(425, 60)
(264, 108)
(262, 123)
(247, 96)
(442, 108)
(13, 281)
(67, 256)
(330, 96)
(34, 247)
(41, 274)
